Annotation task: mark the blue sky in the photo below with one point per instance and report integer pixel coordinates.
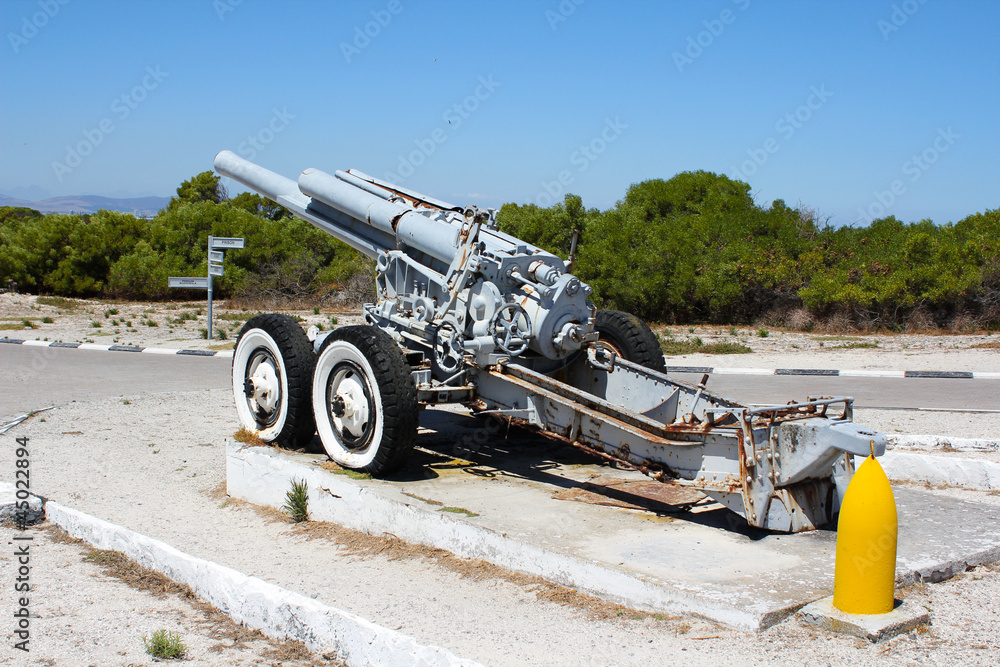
(855, 109)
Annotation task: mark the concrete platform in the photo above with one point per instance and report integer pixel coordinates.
(904, 617)
(528, 504)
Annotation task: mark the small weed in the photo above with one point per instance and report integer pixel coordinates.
(690, 330)
(733, 331)
(109, 312)
(165, 645)
(221, 334)
(204, 333)
(426, 500)
(725, 348)
(333, 320)
(152, 323)
(125, 401)
(316, 310)
(298, 318)
(129, 323)
(94, 324)
(458, 510)
(353, 474)
(248, 437)
(763, 333)
(48, 320)
(297, 501)
(320, 327)
(673, 347)
(856, 345)
(57, 302)
(28, 324)
(236, 317)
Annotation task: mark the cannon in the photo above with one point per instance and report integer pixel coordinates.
(467, 314)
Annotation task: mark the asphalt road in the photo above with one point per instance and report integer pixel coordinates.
(35, 377)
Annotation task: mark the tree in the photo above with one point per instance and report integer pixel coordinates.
(203, 187)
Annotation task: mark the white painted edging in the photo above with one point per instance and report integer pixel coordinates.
(953, 471)
(263, 476)
(932, 442)
(260, 605)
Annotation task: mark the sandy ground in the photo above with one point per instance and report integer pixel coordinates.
(155, 463)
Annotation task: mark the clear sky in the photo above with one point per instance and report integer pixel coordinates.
(855, 109)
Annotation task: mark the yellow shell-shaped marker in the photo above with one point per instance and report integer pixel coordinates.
(865, 574)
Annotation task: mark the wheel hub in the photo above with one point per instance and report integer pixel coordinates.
(349, 406)
(262, 387)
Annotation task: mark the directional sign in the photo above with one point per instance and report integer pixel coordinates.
(191, 283)
(216, 256)
(230, 244)
(215, 270)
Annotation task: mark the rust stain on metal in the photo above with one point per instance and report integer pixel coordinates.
(635, 495)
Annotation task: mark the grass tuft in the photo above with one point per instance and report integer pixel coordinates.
(458, 510)
(165, 645)
(248, 437)
(57, 302)
(297, 501)
(856, 345)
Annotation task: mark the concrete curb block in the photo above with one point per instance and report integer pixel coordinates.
(952, 471)
(831, 372)
(30, 512)
(263, 476)
(942, 442)
(119, 348)
(278, 613)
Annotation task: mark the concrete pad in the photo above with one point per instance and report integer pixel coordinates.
(874, 627)
(515, 501)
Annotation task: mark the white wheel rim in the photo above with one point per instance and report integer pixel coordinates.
(359, 416)
(257, 361)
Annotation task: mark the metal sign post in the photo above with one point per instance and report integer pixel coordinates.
(216, 248)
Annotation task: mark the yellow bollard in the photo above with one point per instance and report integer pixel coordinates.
(865, 572)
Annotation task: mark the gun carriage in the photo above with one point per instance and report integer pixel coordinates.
(468, 314)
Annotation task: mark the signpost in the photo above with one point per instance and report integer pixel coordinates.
(189, 283)
(216, 253)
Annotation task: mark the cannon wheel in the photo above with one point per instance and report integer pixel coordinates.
(364, 400)
(631, 338)
(272, 380)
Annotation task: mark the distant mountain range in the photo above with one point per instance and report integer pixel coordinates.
(141, 206)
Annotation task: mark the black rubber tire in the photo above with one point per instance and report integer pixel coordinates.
(631, 338)
(389, 431)
(291, 423)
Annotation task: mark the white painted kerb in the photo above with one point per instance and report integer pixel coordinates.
(260, 605)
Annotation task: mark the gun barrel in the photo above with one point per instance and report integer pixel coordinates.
(257, 178)
(344, 209)
(437, 238)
